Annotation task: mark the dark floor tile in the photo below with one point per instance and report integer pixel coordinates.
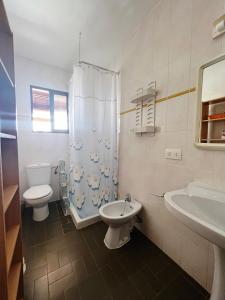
(88, 258)
(94, 287)
(169, 274)
(90, 264)
(146, 250)
(158, 262)
(53, 208)
(32, 239)
(195, 284)
(27, 218)
(87, 232)
(37, 257)
(28, 288)
(60, 209)
(180, 289)
(71, 251)
(41, 288)
(79, 270)
(66, 220)
(117, 270)
(64, 257)
(72, 294)
(110, 278)
(36, 273)
(68, 227)
(131, 264)
(76, 251)
(126, 291)
(73, 237)
(59, 273)
(34, 264)
(156, 283)
(143, 284)
(53, 204)
(57, 289)
(54, 230)
(80, 267)
(55, 245)
(53, 216)
(52, 261)
(102, 258)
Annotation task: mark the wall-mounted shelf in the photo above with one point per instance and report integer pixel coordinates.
(145, 110)
(11, 260)
(9, 193)
(11, 238)
(214, 101)
(147, 96)
(214, 120)
(13, 280)
(213, 140)
(144, 129)
(5, 79)
(211, 129)
(7, 136)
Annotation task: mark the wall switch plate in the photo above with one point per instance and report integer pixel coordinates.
(173, 154)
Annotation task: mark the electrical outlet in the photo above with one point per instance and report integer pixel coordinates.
(173, 154)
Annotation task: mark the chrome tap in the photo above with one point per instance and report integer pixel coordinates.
(127, 197)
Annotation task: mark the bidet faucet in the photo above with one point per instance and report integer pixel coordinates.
(127, 197)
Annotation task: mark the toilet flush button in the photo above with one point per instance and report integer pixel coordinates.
(173, 153)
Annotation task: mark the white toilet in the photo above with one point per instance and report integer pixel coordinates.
(119, 215)
(40, 191)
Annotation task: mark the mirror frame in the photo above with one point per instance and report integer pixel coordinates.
(206, 146)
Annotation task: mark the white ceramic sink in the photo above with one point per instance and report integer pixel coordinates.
(202, 209)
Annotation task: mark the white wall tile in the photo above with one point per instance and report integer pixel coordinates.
(37, 147)
(176, 115)
(172, 42)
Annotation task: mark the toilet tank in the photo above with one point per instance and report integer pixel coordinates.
(38, 174)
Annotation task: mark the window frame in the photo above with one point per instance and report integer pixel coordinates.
(51, 100)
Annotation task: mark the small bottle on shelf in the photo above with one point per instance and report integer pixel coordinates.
(223, 134)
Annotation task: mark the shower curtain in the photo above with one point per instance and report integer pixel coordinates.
(93, 139)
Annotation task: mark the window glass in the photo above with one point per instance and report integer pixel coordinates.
(49, 110)
(60, 112)
(41, 110)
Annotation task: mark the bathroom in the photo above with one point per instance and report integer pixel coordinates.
(109, 194)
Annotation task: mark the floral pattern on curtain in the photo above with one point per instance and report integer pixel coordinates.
(93, 139)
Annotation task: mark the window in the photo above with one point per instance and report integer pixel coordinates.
(49, 110)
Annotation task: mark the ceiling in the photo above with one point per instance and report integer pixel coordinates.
(48, 30)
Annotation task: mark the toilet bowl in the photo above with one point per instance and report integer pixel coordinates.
(38, 197)
(119, 215)
(40, 191)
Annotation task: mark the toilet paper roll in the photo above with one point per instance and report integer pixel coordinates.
(220, 26)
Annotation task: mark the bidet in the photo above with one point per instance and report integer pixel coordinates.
(120, 224)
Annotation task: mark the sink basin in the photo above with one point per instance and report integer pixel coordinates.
(202, 209)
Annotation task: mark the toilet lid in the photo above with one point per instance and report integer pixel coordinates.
(37, 191)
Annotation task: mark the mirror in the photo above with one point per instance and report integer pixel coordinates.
(210, 127)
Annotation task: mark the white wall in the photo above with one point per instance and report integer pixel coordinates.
(172, 42)
(37, 147)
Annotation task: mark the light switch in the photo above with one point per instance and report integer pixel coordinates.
(173, 154)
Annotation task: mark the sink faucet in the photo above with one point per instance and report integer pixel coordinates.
(127, 197)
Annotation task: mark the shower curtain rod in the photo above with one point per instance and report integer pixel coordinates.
(89, 64)
(98, 67)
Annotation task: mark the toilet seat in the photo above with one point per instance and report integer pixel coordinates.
(37, 192)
